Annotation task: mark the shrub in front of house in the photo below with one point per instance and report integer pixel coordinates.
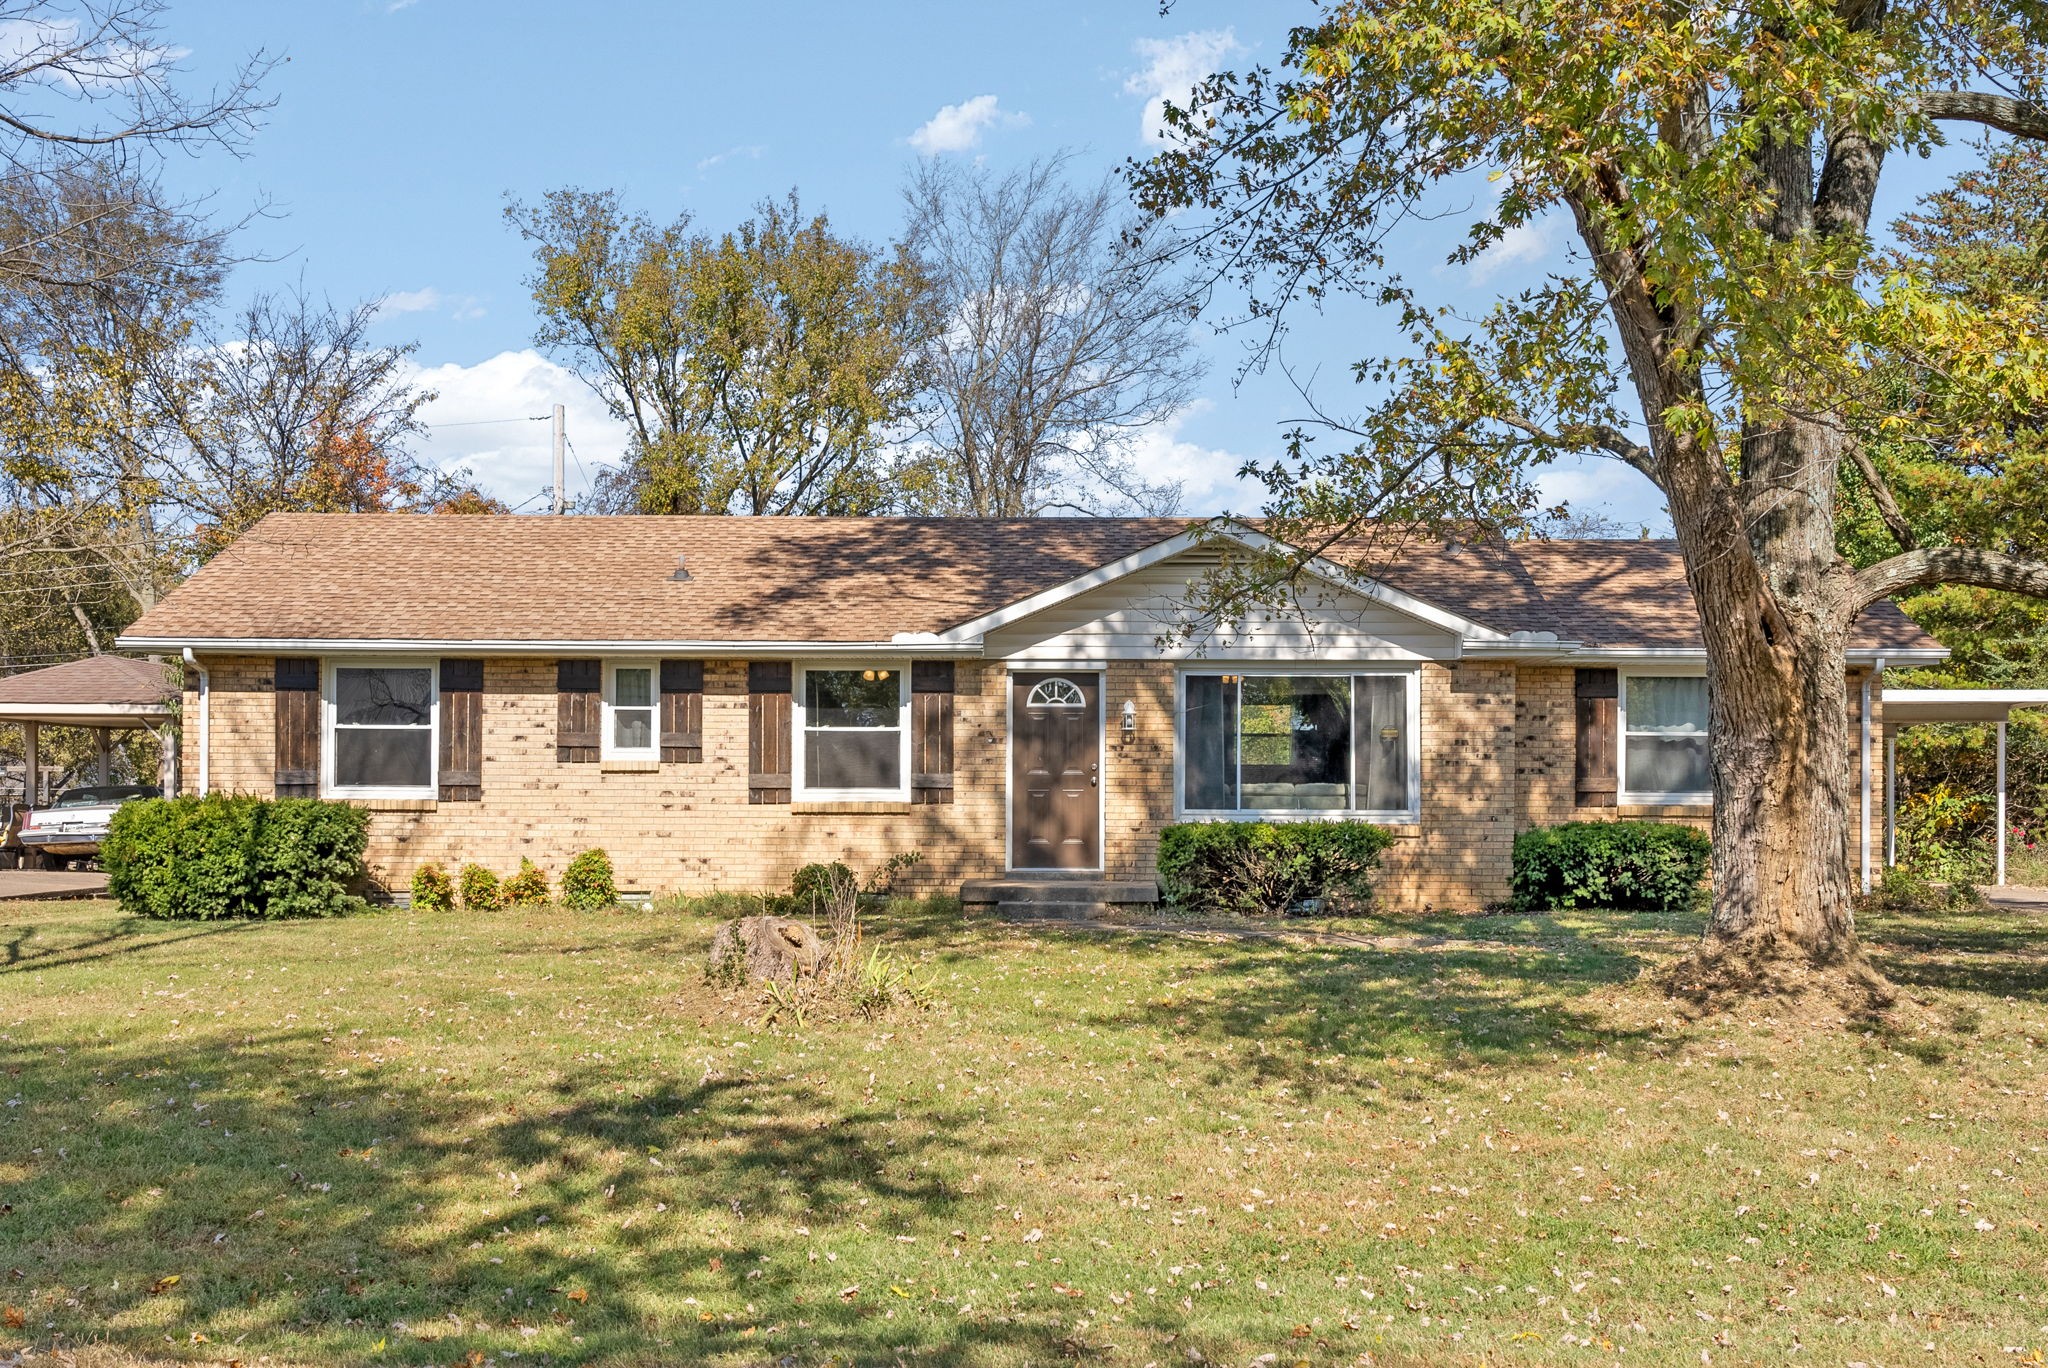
(587, 883)
(432, 889)
(1632, 865)
(480, 889)
(1269, 869)
(219, 856)
(527, 888)
(814, 882)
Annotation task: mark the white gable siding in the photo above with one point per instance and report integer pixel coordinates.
(1127, 619)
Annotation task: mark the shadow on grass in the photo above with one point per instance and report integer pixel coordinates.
(19, 948)
(602, 1216)
(1998, 950)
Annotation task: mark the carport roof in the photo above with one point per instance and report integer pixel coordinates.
(99, 691)
(1958, 705)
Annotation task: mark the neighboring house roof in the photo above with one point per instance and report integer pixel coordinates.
(98, 691)
(506, 580)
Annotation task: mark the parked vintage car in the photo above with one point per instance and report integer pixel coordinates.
(73, 826)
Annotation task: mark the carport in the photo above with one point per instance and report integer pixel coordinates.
(104, 694)
(1904, 707)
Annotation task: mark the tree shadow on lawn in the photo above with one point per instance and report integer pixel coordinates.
(1319, 1016)
(317, 1210)
(20, 951)
(1993, 950)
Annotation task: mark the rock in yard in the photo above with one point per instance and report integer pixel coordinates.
(768, 947)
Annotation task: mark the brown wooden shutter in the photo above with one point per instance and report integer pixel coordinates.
(298, 728)
(768, 738)
(579, 715)
(462, 731)
(1599, 738)
(682, 711)
(931, 731)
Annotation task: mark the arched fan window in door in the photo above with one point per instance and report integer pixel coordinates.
(1055, 693)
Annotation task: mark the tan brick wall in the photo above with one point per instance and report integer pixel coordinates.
(1497, 757)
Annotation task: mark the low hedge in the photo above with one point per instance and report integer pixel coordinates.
(1652, 865)
(1268, 868)
(228, 856)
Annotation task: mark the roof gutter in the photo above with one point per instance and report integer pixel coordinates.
(735, 650)
(205, 715)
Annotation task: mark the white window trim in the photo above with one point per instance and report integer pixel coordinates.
(606, 750)
(800, 789)
(1408, 816)
(328, 667)
(1625, 795)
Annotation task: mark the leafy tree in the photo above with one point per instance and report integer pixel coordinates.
(1062, 339)
(759, 371)
(1980, 241)
(1715, 331)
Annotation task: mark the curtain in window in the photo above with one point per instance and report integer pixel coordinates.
(1209, 745)
(1667, 746)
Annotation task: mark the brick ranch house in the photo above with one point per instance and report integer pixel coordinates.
(716, 701)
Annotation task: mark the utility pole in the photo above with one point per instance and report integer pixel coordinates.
(561, 457)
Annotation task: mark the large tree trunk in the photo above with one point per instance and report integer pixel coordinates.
(1775, 608)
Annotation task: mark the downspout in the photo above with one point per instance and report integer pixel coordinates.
(205, 715)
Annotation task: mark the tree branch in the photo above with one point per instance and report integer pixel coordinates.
(1951, 565)
(1887, 504)
(2021, 118)
(1600, 438)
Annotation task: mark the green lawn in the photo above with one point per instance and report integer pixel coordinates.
(433, 1140)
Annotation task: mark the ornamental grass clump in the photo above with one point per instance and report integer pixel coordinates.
(527, 888)
(481, 891)
(587, 883)
(432, 889)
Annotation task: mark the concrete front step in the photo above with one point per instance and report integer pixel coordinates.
(1093, 892)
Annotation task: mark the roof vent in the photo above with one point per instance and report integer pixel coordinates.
(682, 569)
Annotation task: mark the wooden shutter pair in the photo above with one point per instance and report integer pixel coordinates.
(931, 731)
(579, 711)
(771, 739)
(1596, 699)
(297, 773)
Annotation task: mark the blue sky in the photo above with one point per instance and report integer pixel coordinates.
(401, 125)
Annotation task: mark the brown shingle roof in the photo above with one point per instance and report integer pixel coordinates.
(115, 681)
(401, 577)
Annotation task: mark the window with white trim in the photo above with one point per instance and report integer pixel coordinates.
(629, 701)
(1300, 744)
(380, 730)
(853, 740)
(1666, 753)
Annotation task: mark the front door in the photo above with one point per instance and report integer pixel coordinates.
(1056, 771)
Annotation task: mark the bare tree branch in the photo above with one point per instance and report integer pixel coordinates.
(1951, 565)
(1888, 509)
(2021, 118)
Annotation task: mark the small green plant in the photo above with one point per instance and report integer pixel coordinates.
(816, 881)
(788, 1002)
(885, 874)
(879, 983)
(481, 891)
(587, 884)
(223, 855)
(1650, 865)
(432, 889)
(1268, 869)
(527, 888)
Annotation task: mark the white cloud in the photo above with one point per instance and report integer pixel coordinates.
(1599, 484)
(490, 420)
(1522, 245)
(1173, 67)
(428, 300)
(750, 151)
(958, 127)
(1208, 475)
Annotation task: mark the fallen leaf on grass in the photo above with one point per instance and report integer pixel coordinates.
(164, 1284)
(579, 1296)
(14, 1318)
(849, 1293)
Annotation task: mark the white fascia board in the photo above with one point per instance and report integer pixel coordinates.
(87, 714)
(739, 650)
(1321, 567)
